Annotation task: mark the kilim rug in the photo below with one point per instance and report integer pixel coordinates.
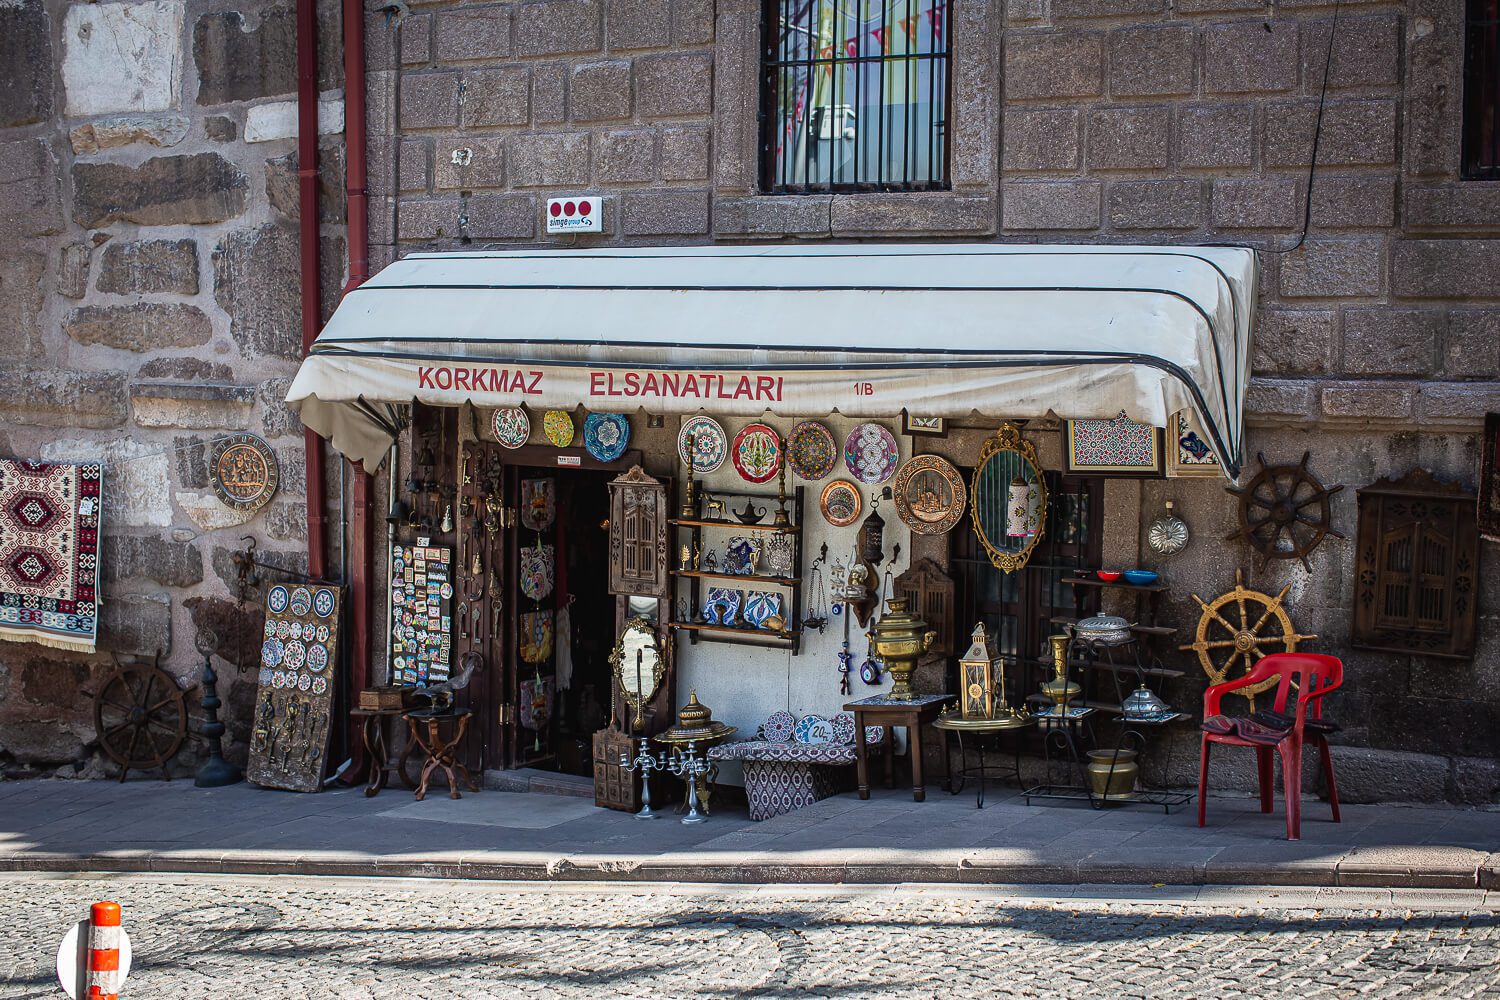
(1489, 479)
(49, 553)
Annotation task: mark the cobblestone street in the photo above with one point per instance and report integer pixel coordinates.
(295, 937)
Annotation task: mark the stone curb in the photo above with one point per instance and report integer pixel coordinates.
(973, 870)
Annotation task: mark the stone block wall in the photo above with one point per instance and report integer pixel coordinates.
(149, 297)
(1377, 339)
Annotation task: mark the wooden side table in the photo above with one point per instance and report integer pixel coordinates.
(442, 751)
(376, 731)
(913, 713)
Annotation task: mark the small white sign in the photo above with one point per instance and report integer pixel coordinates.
(573, 460)
(73, 960)
(575, 215)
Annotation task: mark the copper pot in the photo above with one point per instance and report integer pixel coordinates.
(901, 639)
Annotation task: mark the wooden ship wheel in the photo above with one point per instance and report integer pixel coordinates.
(1222, 643)
(1284, 511)
(140, 717)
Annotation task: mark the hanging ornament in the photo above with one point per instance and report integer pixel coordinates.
(1168, 534)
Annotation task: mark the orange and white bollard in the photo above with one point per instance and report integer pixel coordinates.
(104, 951)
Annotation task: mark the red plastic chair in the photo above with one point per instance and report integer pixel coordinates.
(1315, 675)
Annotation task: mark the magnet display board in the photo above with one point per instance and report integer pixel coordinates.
(421, 606)
(298, 660)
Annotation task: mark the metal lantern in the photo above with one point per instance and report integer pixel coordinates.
(978, 670)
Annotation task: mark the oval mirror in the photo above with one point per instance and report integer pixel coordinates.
(638, 664)
(1008, 499)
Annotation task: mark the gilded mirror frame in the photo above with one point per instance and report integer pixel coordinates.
(1008, 440)
(638, 700)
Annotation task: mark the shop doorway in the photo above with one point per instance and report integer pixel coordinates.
(534, 578)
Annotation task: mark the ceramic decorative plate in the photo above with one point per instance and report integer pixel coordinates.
(317, 658)
(304, 682)
(813, 730)
(843, 727)
(930, 495)
(322, 634)
(538, 503)
(874, 734)
(323, 602)
(301, 602)
(294, 654)
(605, 435)
(319, 685)
(841, 503)
(270, 629)
(558, 426)
(871, 453)
(278, 679)
(277, 598)
(283, 629)
(512, 426)
(265, 676)
(536, 571)
(309, 630)
(779, 727)
(270, 653)
(756, 453)
(811, 450)
(710, 445)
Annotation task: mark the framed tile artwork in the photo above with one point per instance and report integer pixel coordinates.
(923, 426)
(1188, 453)
(1119, 447)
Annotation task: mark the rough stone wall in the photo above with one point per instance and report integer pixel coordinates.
(1377, 344)
(149, 296)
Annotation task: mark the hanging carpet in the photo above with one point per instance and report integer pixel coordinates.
(49, 553)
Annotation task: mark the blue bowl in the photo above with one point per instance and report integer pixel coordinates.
(1141, 577)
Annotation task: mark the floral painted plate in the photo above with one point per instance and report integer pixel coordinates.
(270, 653)
(811, 450)
(317, 658)
(294, 654)
(323, 602)
(814, 730)
(512, 426)
(710, 445)
(558, 426)
(276, 600)
(756, 453)
(779, 727)
(301, 602)
(843, 727)
(605, 435)
(871, 453)
(841, 503)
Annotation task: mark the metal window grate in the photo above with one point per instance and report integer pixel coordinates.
(855, 95)
(1481, 149)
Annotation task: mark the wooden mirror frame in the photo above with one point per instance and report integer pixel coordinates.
(1008, 440)
(639, 699)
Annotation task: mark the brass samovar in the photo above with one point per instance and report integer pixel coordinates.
(901, 639)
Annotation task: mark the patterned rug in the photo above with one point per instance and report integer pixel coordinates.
(49, 553)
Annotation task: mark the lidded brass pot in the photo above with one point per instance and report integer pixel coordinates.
(1060, 689)
(900, 640)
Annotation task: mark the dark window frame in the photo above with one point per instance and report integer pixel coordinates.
(773, 70)
(1481, 99)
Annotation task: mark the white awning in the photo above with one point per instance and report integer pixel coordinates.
(865, 330)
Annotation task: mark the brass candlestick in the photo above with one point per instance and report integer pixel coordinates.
(781, 520)
(1060, 689)
(689, 510)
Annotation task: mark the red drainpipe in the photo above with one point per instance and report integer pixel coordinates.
(307, 217)
(356, 200)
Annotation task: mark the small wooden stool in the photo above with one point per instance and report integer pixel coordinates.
(441, 752)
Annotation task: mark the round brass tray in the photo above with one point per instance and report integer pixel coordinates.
(956, 721)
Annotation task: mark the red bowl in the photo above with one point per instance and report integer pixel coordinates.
(1108, 575)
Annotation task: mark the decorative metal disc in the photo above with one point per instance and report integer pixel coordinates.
(930, 495)
(244, 472)
(1167, 535)
(841, 503)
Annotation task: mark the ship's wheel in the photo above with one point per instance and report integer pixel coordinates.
(1241, 636)
(140, 717)
(1284, 511)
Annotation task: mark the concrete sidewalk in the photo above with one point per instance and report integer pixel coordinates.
(172, 826)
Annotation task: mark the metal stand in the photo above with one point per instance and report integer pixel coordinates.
(645, 762)
(690, 768)
(687, 765)
(216, 771)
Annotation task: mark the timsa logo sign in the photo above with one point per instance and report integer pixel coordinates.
(575, 215)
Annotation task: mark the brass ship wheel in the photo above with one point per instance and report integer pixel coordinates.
(1242, 634)
(140, 717)
(1284, 511)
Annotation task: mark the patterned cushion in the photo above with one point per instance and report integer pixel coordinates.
(765, 750)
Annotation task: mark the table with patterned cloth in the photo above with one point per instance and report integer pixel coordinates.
(781, 777)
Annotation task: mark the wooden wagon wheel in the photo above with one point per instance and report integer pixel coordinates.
(1218, 635)
(1284, 511)
(140, 717)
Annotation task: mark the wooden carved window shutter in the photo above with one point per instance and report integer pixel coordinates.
(929, 593)
(638, 535)
(1417, 567)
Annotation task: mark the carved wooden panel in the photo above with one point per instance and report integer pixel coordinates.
(1416, 567)
(638, 535)
(929, 593)
(614, 786)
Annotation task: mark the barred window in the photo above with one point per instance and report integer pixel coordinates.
(1481, 152)
(854, 95)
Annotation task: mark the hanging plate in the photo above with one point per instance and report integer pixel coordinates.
(710, 445)
(756, 453)
(813, 730)
(930, 495)
(558, 426)
(301, 602)
(841, 503)
(512, 426)
(871, 453)
(323, 602)
(277, 599)
(605, 435)
(811, 450)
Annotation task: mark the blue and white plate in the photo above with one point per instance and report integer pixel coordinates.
(779, 727)
(323, 602)
(301, 602)
(270, 653)
(843, 727)
(277, 599)
(814, 730)
(605, 435)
